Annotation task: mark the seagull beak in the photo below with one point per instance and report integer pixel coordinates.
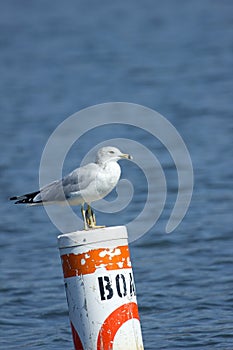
(126, 156)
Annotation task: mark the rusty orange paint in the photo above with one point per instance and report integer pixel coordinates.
(77, 341)
(112, 324)
(87, 263)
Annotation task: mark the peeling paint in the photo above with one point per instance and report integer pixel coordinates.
(120, 264)
(83, 261)
(110, 252)
(88, 262)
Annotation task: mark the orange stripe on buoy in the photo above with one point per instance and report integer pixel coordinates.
(87, 263)
(77, 341)
(112, 324)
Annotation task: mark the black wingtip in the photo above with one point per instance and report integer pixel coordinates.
(21, 201)
(26, 198)
(18, 201)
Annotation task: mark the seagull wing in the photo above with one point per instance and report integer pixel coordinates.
(60, 190)
(70, 186)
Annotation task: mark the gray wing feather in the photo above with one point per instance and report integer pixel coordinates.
(60, 190)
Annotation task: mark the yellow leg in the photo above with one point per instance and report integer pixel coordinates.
(90, 218)
(84, 217)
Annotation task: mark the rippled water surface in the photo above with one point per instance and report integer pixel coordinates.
(175, 57)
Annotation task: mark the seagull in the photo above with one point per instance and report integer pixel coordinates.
(82, 186)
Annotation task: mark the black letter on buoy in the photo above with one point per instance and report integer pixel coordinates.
(132, 285)
(103, 288)
(122, 277)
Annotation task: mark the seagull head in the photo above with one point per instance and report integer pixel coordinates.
(109, 154)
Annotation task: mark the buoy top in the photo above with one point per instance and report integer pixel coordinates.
(79, 238)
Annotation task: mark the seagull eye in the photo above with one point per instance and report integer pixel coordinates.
(112, 152)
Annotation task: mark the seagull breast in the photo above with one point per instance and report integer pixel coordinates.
(107, 178)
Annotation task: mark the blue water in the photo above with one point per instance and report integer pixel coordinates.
(173, 56)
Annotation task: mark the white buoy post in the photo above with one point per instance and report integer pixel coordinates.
(100, 289)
